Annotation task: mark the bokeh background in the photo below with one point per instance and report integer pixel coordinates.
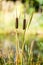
(21, 32)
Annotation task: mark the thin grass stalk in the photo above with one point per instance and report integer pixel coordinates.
(27, 54)
(39, 59)
(31, 53)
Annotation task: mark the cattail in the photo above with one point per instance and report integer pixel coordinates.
(16, 22)
(24, 24)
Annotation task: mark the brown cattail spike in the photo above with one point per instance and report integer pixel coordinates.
(24, 24)
(16, 22)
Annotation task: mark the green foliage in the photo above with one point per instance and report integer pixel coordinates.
(40, 1)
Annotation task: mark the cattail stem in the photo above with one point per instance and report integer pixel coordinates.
(27, 54)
